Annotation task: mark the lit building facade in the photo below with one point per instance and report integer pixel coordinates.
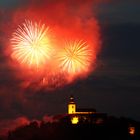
(83, 116)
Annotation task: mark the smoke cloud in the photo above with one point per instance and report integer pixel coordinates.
(9, 125)
(68, 20)
(74, 19)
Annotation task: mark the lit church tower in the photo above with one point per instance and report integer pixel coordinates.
(71, 106)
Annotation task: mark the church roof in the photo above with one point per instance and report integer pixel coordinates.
(85, 110)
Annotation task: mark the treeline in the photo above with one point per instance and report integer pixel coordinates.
(112, 129)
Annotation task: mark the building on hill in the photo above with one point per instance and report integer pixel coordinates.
(72, 109)
(83, 115)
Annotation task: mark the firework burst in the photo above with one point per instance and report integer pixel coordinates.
(75, 57)
(31, 44)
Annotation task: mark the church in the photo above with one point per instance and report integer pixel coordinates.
(83, 115)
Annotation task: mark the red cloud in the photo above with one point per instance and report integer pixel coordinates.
(8, 125)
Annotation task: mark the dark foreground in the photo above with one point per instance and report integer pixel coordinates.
(112, 129)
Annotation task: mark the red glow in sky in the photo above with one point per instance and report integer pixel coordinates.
(66, 42)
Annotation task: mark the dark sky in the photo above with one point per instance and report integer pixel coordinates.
(113, 88)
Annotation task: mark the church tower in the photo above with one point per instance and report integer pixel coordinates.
(71, 106)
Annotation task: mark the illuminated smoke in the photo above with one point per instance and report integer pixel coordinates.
(9, 125)
(60, 49)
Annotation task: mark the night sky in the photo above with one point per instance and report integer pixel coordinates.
(113, 87)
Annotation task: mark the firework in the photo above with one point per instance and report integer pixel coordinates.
(75, 57)
(31, 44)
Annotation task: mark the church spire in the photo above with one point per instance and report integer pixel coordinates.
(71, 99)
(71, 106)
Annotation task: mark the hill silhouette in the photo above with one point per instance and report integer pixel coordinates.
(62, 129)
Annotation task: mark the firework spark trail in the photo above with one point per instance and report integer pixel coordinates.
(31, 44)
(75, 57)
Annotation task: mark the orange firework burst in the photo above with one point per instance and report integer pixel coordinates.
(75, 57)
(31, 44)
